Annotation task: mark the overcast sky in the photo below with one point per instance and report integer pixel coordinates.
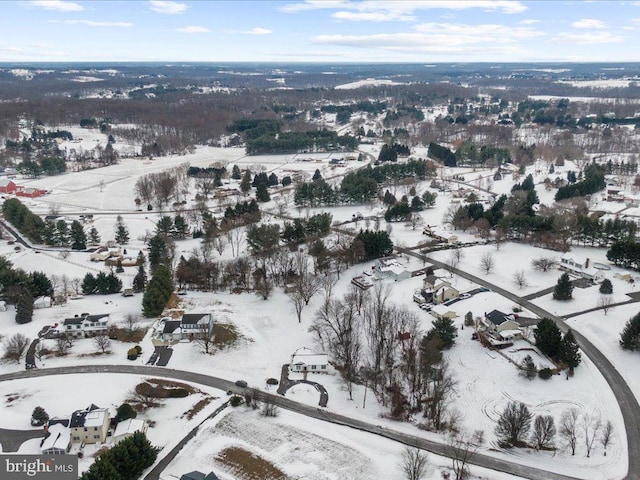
(320, 31)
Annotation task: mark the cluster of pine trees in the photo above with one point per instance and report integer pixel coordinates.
(126, 460)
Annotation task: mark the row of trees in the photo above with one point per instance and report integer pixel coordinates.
(551, 342)
(160, 188)
(101, 284)
(517, 427)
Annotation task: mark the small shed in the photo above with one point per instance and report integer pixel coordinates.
(127, 428)
(42, 302)
(7, 186)
(442, 311)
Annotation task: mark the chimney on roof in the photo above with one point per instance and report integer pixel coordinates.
(586, 263)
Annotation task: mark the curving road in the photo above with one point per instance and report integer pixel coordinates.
(439, 448)
(625, 397)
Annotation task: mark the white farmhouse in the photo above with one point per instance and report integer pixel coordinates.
(305, 361)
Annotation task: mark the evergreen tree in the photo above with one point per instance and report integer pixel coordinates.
(48, 233)
(78, 237)
(119, 268)
(180, 227)
(235, 173)
(548, 337)
(245, 184)
(262, 194)
(158, 252)
(273, 180)
(89, 284)
(564, 288)
(445, 331)
(122, 233)
(164, 226)
(94, 236)
(630, 335)
(316, 175)
(39, 417)
(62, 232)
(40, 285)
(102, 469)
(606, 287)
(140, 259)
(158, 291)
(140, 280)
(569, 351)
(24, 306)
(528, 367)
(125, 412)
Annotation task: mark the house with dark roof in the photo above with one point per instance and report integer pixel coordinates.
(502, 324)
(189, 327)
(196, 475)
(86, 325)
(89, 425)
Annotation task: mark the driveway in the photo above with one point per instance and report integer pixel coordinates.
(12, 439)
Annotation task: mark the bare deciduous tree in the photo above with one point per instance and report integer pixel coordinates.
(204, 337)
(487, 263)
(544, 430)
(520, 279)
(591, 426)
(456, 256)
(461, 447)
(605, 435)
(439, 391)
(64, 343)
(514, 423)
(131, 323)
(298, 303)
(605, 303)
(219, 244)
(543, 264)
(413, 463)
(568, 428)
(102, 342)
(16, 346)
(236, 238)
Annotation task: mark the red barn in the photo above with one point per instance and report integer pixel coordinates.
(30, 192)
(7, 186)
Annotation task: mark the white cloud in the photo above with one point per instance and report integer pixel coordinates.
(10, 50)
(442, 38)
(372, 16)
(372, 10)
(57, 5)
(589, 23)
(588, 38)
(193, 29)
(529, 21)
(167, 7)
(257, 31)
(92, 23)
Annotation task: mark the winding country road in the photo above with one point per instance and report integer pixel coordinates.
(439, 448)
(625, 397)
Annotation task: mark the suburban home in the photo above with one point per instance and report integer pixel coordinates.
(442, 291)
(439, 234)
(305, 361)
(86, 325)
(190, 326)
(195, 324)
(580, 267)
(364, 281)
(90, 425)
(502, 324)
(127, 428)
(7, 186)
(391, 268)
(442, 311)
(57, 440)
(196, 475)
(615, 193)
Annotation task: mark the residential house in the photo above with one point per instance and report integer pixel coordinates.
(439, 234)
(195, 324)
(442, 311)
(442, 291)
(391, 268)
(57, 439)
(364, 281)
(90, 425)
(196, 475)
(615, 193)
(86, 325)
(502, 325)
(305, 361)
(171, 331)
(7, 186)
(580, 267)
(127, 428)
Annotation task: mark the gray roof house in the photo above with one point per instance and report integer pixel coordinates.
(196, 475)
